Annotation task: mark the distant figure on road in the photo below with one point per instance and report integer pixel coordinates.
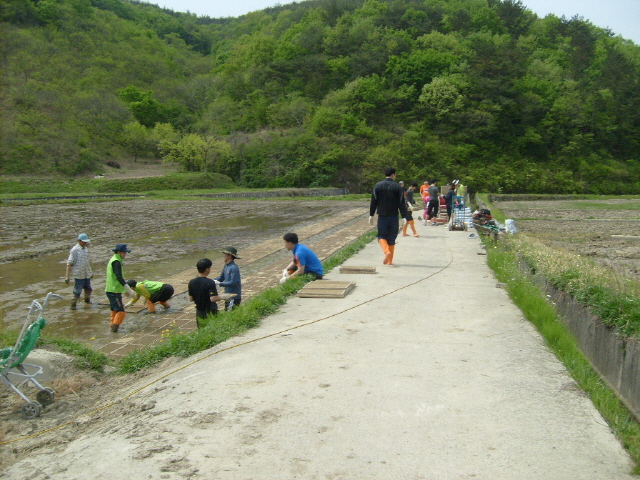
(450, 198)
(153, 292)
(304, 260)
(230, 279)
(117, 285)
(79, 266)
(410, 205)
(388, 199)
(434, 203)
(423, 188)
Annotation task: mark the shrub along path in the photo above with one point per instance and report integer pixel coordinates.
(325, 238)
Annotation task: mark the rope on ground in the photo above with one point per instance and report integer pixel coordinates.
(172, 372)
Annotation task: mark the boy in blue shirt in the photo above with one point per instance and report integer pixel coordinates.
(304, 260)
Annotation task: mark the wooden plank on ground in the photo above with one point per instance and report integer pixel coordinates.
(356, 269)
(326, 289)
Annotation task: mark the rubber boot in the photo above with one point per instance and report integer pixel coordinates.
(87, 297)
(117, 321)
(385, 249)
(392, 249)
(413, 228)
(74, 302)
(151, 308)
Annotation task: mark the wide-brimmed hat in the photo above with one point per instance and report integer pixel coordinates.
(231, 251)
(121, 247)
(83, 237)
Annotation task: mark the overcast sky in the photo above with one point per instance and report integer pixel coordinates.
(621, 16)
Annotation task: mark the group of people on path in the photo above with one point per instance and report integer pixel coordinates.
(390, 199)
(202, 290)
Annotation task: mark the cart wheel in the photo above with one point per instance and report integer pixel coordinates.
(31, 410)
(46, 397)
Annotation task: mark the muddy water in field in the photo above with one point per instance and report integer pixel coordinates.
(166, 238)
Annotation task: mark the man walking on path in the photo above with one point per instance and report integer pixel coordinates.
(117, 285)
(388, 199)
(78, 265)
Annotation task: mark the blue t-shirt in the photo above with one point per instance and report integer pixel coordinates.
(303, 255)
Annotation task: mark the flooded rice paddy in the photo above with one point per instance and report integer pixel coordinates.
(166, 237)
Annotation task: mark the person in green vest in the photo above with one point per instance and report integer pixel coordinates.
(153, 292)
(117, 285)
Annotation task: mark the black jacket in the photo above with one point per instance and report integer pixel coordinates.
(388, 199)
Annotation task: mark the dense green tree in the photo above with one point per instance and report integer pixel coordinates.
(323, 92)
(136, 139)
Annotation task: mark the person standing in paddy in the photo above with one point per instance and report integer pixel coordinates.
(388, 200)
(116, 285)
(229, 279)
(78, 265)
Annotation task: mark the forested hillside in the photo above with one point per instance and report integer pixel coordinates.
(324, 93)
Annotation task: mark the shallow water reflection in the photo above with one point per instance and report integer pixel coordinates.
(155, 256)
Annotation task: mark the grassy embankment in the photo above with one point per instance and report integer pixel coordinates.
(168, 187)
(589, 284)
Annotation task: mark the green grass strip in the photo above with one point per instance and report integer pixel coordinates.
(225, 325)
(544, 317)
(84, 357)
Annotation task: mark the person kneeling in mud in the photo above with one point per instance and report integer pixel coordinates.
(153, 292)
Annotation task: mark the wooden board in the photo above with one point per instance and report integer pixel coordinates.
(355, 269)
(326, 289)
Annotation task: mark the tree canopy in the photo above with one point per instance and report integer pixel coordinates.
(324, 93)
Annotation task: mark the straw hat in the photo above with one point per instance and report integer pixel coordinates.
(231, 251)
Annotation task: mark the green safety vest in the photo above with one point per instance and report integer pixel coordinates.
(149, 286)
(113, 285)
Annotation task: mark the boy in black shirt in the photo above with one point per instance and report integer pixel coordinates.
(203, 292)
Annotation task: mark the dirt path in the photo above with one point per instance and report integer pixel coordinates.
(371, 386)
(150, 429)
